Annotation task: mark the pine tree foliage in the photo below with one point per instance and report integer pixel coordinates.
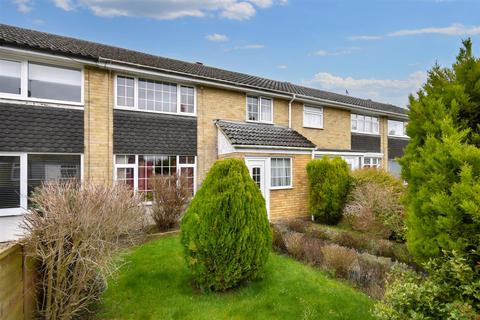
(442, 161)
(225, 231)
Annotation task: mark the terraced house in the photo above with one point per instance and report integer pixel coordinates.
(73, 108)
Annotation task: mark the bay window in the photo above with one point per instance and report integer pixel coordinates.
(372, 162)
(397, 128)
(40, 82)
(138, 171)
(364, 124)
(259, 109)
(281, 172)
(313, 117)
(152, 95)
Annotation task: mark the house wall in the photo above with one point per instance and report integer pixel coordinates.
(98, 121)
(384, 141)
(289, 202)
(336, 127)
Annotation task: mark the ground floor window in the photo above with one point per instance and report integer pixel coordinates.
(138, 171)
(371, 162)
(281, 172)
(21, 173)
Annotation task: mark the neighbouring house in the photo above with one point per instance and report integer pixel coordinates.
(71, 108)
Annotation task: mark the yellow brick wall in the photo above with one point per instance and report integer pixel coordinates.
(98, 125)
(336, 127)
(213, 104)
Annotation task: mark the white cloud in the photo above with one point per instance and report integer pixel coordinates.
(64, 4)
(366, 38)
(252, 46)
(282, 66)
(23, 6)
(456, 29)
(262, 3)
(239, 11)
(326, 53)
(216, 37)
(394, 91)
(169, 9)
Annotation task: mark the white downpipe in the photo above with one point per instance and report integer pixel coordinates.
(290, 110)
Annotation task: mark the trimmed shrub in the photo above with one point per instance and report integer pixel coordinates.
(450, 291)
(170, 198)
(329, 184)
(380, 177)
(73, 232)
(225, 231)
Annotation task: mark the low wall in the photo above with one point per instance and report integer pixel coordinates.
(17, 282)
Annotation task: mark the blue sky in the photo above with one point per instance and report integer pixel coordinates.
(376, 49)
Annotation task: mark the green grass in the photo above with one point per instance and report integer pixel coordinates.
(155, 284)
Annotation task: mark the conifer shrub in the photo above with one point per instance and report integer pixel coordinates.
(225, 230)
(329, 184)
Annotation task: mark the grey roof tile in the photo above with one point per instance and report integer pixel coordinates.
(45, 42)
(137, 132)
(253, 134)
(40, 129)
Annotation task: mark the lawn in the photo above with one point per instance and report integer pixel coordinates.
(155, 284)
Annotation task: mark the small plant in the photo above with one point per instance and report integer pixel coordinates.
(72, 232)
(450, 291)
(376, 209)
(329, 184)
(339, 259)
(170, 198)
(225, 231)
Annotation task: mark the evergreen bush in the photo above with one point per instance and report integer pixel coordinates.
(225, 231)
(329, 184)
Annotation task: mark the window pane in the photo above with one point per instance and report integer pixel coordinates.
(313, 117)
(47, 82)
(187, 99)
(266, 109)
(125, 91)
(252, 108)
(157, 96)
(280, 172)
(396, 128)
(10, 72)
(42, 168)
(9, 182)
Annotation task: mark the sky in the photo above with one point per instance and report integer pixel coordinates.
(374, 49)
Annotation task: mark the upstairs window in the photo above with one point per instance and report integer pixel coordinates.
(40, 82)
(364, 124)
(10, 77)
(397, 128)
(259, 109)
(54, 83)
(313, 117)
(153, 95)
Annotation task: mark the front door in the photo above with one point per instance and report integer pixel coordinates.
(257, 168)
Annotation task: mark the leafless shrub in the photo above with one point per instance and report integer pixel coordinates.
(339, 259)
(294, 244)
(376, 209)
(372, 274)
(278, 241)
(312, 251)
(73, 232)
(170, 198)
(297, 225)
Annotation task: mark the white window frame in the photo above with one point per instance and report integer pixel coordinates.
(377, 165)
(135, 169)
(290, 186)
(354, 116)
(319, 112)
(404, 124)
(259, 98)
(135, 95)
(24, 83)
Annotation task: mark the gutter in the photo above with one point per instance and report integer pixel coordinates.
(290, 111)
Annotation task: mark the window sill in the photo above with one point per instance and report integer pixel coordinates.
(400, 137)
(365, 133)
(12, 212)
(310, 127)
(42, 102)
(158, 112)
(260, 122)
(281, 188)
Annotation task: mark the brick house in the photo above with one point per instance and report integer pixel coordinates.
(73, 108)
